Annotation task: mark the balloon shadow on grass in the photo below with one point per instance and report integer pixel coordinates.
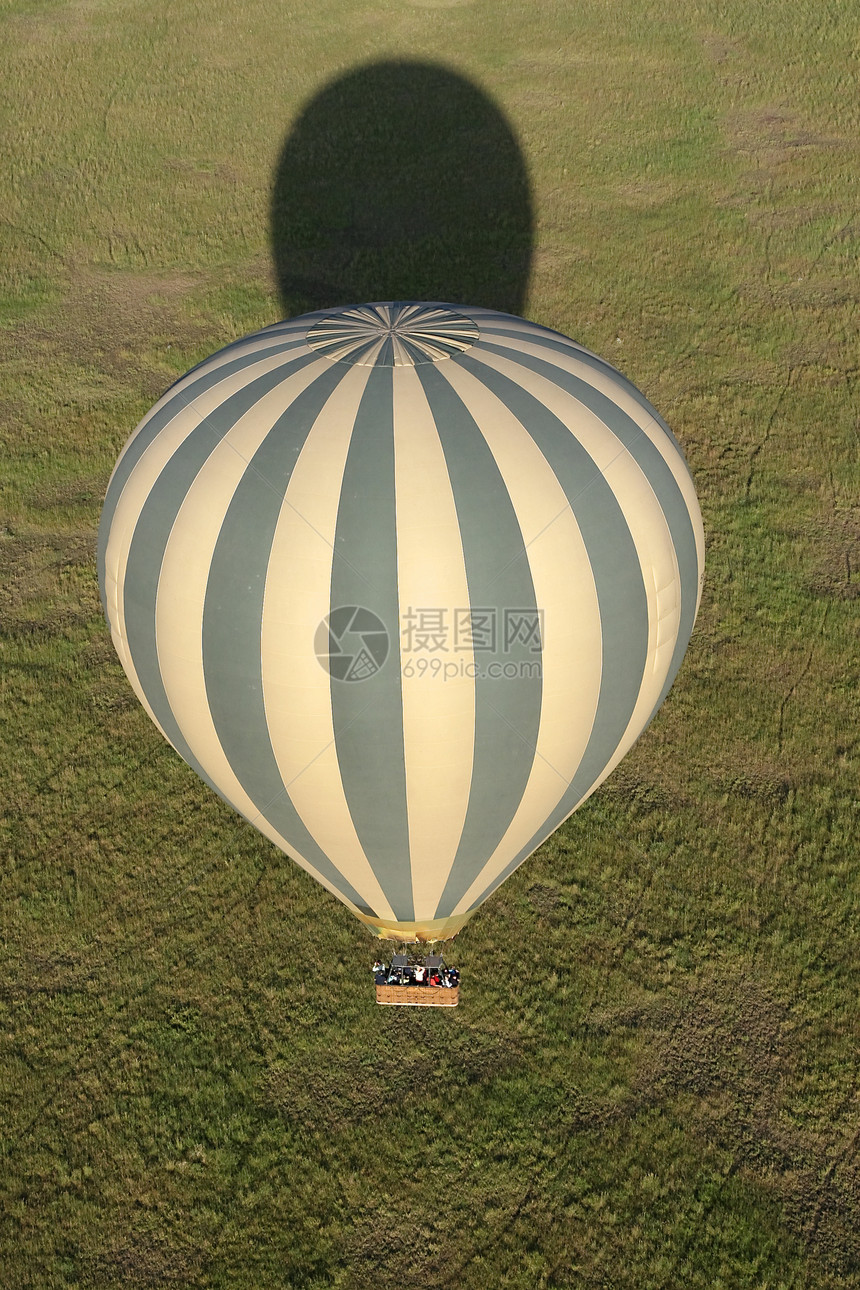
(401, 181)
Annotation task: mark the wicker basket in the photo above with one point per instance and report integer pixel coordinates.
(418, 996)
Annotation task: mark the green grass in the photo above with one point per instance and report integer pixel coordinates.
(652, 1078)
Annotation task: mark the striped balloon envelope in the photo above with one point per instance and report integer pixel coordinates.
(402, 583)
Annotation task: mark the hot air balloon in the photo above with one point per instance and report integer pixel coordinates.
(402, 582)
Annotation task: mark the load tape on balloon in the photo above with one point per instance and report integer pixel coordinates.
(403, 583)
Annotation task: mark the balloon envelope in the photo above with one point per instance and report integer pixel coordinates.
(403, 583)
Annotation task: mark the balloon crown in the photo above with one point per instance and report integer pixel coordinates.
(399, 334)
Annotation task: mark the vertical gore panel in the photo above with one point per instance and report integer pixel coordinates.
(232, 616)
(620, 591)
(508, 680)
(154, 424)
(656, 470)
(152, 531)
(368, 713)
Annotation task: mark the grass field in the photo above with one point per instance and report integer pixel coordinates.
(652, 1079)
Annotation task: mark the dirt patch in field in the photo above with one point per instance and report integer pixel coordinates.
(29, 564)
(752, 129)
(544, 899)
(792, 218)
(770, 784)
(647, 194)
(817, 293)
(652, 787)
(719, 48)
(69, 494)
(118, 319)
(827, 546)
(422, 1235)
(22, 556)
(731, 1054)
(409, 1247)
(71, 22)
(734, 1037)
(216, 173)
(835, 575)
(145, 1260)
(38, 973)
(772, 137)
(34, 601)
(118, 324)
(328, 1096)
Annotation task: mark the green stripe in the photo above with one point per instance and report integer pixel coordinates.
(507, 708)
(232, 617)
(621, 593)
(151, 428)
(564, 345)
(656, 470)
(151, 535)
(368, 714)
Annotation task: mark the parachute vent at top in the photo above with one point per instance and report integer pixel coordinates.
(402, 582)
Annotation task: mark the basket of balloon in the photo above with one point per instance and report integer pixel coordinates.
(427, 983)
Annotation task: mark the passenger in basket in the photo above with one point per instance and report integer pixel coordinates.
(420, 975)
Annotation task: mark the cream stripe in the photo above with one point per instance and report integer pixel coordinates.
(437, 688)
(296, 689)
(629, 483)
(210, 367)
(565, 591)
(604, 382)
(642, 512)
(124, 521)
(662, 580)
(147, 470)
(121, 533)
(183, 580)
(614, 390)
(517, 326)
